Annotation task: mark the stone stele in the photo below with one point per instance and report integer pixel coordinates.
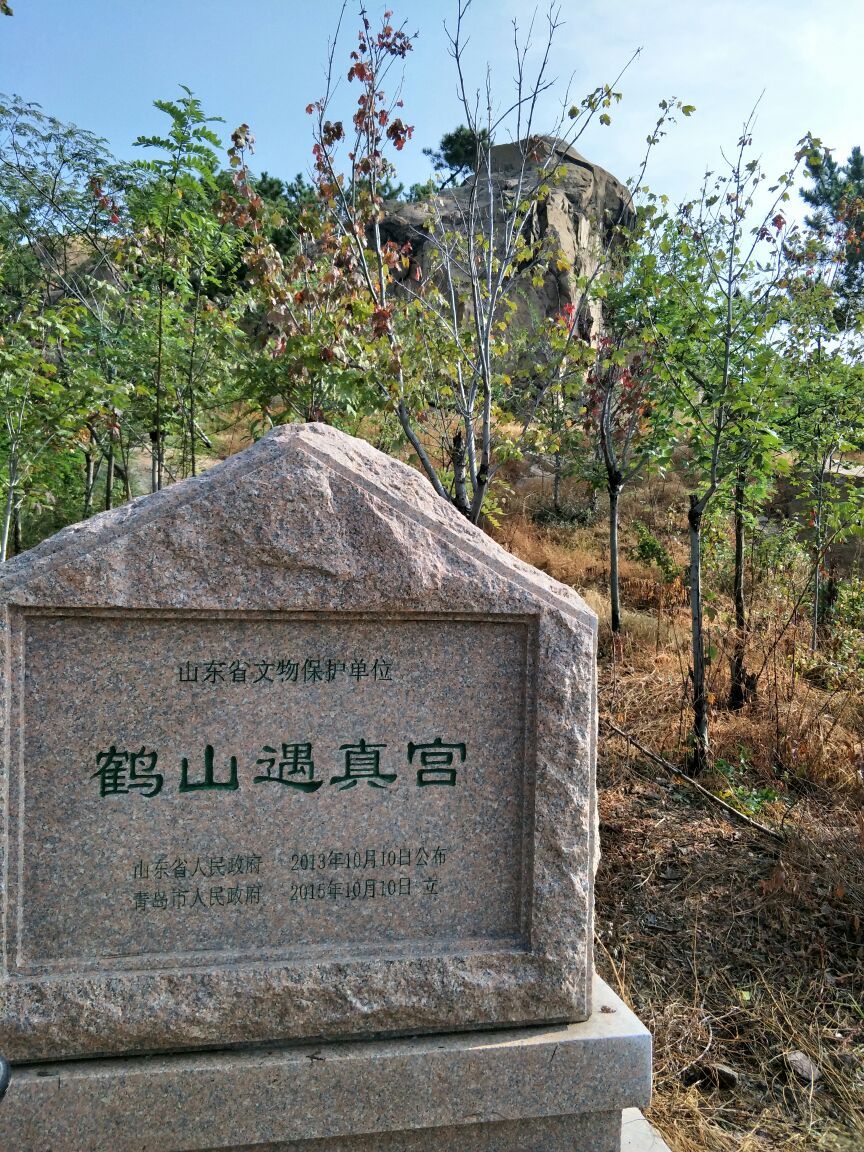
(560, 1088)
(290, 751)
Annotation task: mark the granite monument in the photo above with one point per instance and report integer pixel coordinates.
(293, 754)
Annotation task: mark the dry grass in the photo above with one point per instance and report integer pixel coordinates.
(578, 555)
(734, 949)
(793, 728)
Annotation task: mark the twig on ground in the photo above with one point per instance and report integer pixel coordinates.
(685, 779)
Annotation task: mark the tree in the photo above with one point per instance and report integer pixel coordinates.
(631, 421)
(143, 256)
(837, 194)
(824, 367)
(59, 206)
(629, 409)
(722, 276)
(41, 414)
(437, 344)
(179, 250)
(457, 152)
(60, 216)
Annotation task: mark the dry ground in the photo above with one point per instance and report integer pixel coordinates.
(744, 954)
(737, 952)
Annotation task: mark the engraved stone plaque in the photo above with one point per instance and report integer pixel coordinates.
(290, 751)
(200, 789)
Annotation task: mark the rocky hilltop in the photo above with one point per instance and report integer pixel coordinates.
(577, 219)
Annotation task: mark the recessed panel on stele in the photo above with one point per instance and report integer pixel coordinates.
(195, 789)
(290, 751)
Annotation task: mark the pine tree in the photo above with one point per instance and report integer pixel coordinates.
(837, 194)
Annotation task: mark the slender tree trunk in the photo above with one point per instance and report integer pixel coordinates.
(482, 482)
(192, 456)
(457, 456)
(191, 379)
(156, 436)
(16, 530)
(699, 756)
(422, 455)
(154, 452)
(89, 480)
(817, 571)
(556, 484)
(738, 685)
(109, 472)
(614, 595)
(125, 454)
(156, 441)
(480, 490)
(7, 511)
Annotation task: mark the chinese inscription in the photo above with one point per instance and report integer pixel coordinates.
(186, 884)
(435, 763)
(420, 867)
(210, 882)
(315, 669)
(373, 778)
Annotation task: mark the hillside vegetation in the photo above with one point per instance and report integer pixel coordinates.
(740, 946)
(657, 404)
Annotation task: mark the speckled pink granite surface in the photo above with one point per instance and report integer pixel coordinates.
(289, 751)
(552, 1089)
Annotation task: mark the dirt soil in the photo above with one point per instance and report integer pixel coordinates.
(745, 958)
(742, 951)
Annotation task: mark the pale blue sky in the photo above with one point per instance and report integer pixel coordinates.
(100, 63)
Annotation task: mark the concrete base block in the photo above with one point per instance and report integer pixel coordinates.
(596, 1132)
(637, 1135)
(559, 1089)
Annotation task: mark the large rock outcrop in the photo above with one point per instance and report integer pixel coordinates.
(576, 221)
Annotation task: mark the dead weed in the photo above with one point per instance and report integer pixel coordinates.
(738, 954)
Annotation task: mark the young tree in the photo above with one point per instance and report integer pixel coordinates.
(632, 421)
(824, 366)
(629, 407)
(722, 276)
(179, 252)
(437, 341)
(60, 217)
(41, 414)
(59, 204)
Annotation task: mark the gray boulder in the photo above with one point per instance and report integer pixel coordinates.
(576, 220)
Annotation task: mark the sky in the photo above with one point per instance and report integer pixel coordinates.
(101, 63)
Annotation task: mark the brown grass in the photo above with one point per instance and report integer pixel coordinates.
(794, 727)
(734, 949)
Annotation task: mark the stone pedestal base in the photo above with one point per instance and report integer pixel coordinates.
(559, 1089)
